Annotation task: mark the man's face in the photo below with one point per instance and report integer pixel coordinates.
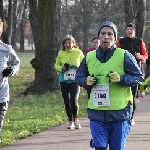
(96, 43)
(130, 32)
(107, 38)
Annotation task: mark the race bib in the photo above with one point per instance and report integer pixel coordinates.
(100, 95)
(70, 74)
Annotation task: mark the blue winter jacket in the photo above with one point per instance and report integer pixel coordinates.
(132, 76)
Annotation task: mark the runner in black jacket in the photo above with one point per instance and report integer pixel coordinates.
(136, 47)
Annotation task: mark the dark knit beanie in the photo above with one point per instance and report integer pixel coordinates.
(131, 25)
(109, 24)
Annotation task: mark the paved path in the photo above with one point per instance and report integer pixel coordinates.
(59, 138)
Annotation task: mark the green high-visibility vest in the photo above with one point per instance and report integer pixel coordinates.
(119, 94)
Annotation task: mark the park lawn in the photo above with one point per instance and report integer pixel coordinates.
(31, 114)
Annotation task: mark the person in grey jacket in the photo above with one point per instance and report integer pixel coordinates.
(109, 73)
(9, 66)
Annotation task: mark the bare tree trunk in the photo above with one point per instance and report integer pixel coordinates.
(130, 10)
(33, 14)
(22, 36)
(22, 27)
(1, 9)
(141, 18)
(9, 21)
(86, 20)
(46, 45)
(3, 13)
(14, 23)
(135, 12)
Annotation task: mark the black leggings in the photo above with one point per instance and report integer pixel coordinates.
(70, 94)
(134, 90)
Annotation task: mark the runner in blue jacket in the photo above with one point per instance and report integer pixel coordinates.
(109, 73)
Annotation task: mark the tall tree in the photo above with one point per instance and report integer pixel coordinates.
(22, 26)
(14, 23)
(1, 9)
(135, 12)
(3, 17)
(9, 30)
(6, 15)
(86, 15)
(45, 23)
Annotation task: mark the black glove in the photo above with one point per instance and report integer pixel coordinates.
(7, 72)
(2, 106)
(67, 65)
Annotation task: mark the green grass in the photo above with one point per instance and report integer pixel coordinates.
(32, 114)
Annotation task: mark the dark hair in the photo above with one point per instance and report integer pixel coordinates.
(95, 38)
(131, 25)
(69, 37)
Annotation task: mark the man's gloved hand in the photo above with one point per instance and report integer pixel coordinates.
(7, 72)
(114, 77)
(91, 80)
(66, 65)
